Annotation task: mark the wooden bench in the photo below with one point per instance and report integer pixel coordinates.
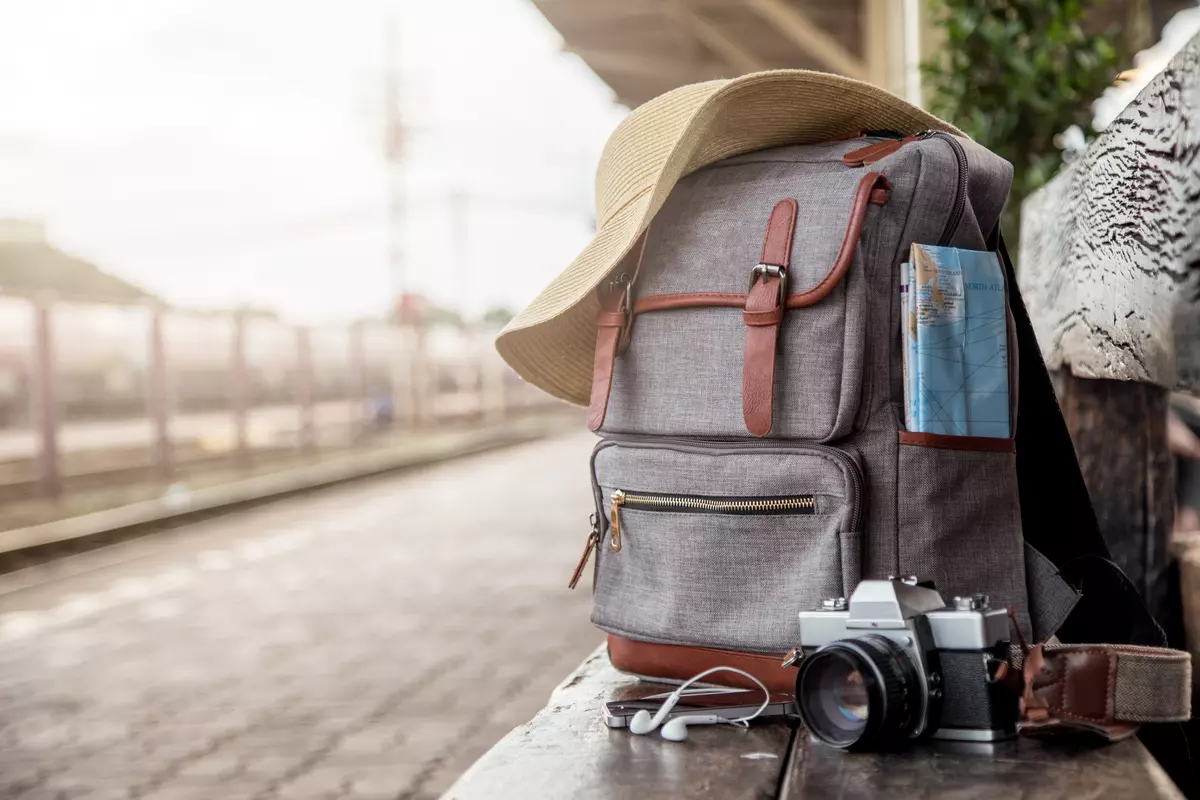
(566, 751)
(1108, 269)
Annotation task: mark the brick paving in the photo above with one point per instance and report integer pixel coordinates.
(364, 642)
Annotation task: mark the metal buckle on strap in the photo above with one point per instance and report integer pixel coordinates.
(623, 283)
(765, 271)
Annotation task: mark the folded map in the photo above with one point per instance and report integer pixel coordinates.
(955, 342)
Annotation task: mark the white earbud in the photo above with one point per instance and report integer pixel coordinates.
(676, 729)
(643, 723)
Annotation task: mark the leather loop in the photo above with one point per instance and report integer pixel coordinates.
(772, 317)
(610, 319)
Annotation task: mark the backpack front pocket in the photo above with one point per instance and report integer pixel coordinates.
(722, 545)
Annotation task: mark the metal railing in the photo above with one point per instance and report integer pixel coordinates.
(94, 392)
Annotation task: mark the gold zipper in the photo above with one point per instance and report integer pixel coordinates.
(614, 520)
(592, 542)
(799, 504)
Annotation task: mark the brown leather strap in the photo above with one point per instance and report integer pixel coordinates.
(609, 324)
(865, 156)
(1105, 689)
(763, 314)
(777, 241)
(613, 323)
(675, 662)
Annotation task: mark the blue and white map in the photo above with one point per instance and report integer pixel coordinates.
(956, 343)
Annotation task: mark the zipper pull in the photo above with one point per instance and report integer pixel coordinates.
(614, 520)
(592, 542)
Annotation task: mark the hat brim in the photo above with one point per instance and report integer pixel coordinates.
(551, 342)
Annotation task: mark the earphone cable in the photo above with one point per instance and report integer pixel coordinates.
(743, 721)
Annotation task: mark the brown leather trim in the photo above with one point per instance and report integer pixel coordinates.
(777, 241)
(879, 197)
(985, 443)
(610, 319)
(871, 183)
(678, 662)
(661, 302)
(612, 337)
(856, 157)
(762, 315)
(608, 336)
(865, 156)
(772, 316)
(858, 213)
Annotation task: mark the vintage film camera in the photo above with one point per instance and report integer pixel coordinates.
(898, 664)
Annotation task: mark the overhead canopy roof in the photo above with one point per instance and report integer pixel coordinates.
(642, 48)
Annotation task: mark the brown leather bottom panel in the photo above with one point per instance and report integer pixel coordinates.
(676, 662)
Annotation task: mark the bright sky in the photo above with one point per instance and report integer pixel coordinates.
(222, 152)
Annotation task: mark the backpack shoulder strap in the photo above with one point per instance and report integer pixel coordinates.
(1056, 510)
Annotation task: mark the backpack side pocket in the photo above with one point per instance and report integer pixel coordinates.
(959, 518)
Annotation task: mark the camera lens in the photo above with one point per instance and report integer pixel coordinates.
(859, 693)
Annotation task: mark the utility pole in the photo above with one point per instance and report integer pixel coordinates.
(459, 250)
(413, 376)
(393, 151)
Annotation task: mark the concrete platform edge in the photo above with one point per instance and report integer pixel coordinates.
(300, 479)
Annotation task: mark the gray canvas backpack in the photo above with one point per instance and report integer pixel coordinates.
(748, 392)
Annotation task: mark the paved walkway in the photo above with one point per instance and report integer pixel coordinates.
(364, 642)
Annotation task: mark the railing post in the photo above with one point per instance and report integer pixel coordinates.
(304, 390)
(158, 396)
(492, 387)
(397, 379)
(45, 397)
(239, 390)
(419, 376)
(358, 375)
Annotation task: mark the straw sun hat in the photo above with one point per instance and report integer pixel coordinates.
(551, 343)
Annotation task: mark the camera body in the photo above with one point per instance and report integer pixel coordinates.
(897, 663)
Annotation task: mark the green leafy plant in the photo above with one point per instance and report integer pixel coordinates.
(1014, 73)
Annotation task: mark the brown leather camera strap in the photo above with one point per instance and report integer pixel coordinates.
(1107, 689)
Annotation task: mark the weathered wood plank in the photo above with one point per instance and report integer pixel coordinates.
(1119, 429)
(1110, 248)
(1024, 767)
(566, 751)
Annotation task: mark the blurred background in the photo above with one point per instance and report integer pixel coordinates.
(250, 249)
